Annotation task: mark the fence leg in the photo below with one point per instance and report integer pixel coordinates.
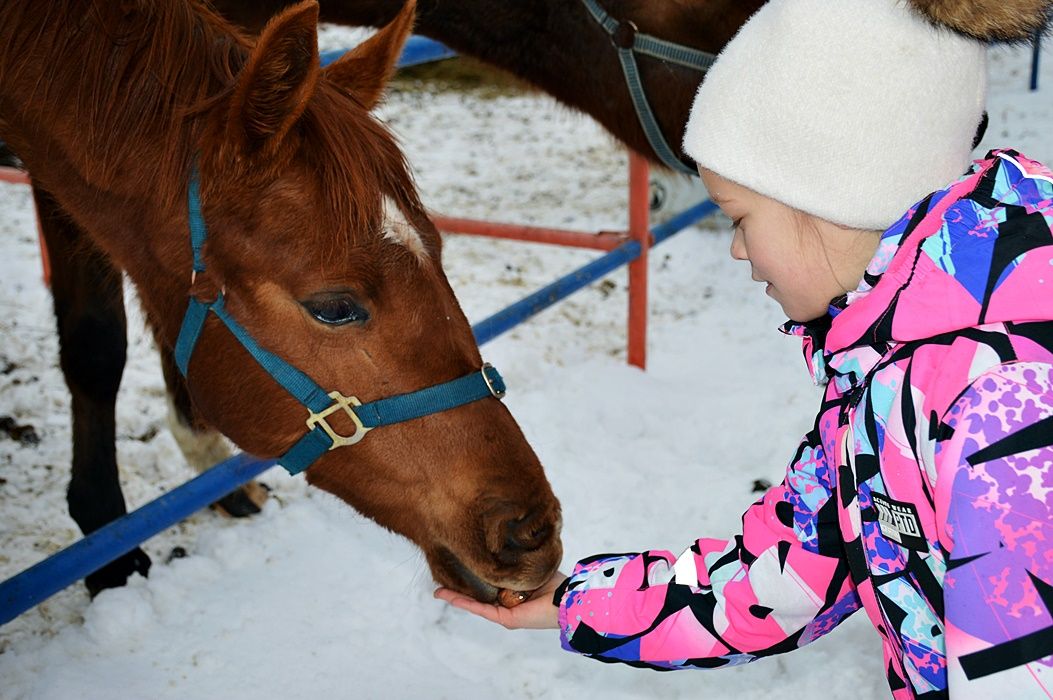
(639, 230)
(45, 258)
(1036, 53)
(19, 177)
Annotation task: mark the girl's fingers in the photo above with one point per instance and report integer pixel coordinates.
(448, 595)
(487, 611)
(484, 610)
(534, 614)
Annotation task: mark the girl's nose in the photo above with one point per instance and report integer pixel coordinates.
(738, 246)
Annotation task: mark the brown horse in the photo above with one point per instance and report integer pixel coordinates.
(317, 242)
(557, 46)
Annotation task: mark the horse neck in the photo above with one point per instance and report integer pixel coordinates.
(552, 44)
(558, 47)
(519, 37)
(96, 110)
(702, 24)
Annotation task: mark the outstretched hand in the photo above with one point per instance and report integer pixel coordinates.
(536, 613)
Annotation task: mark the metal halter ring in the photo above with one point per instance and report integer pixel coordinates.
(624, 36)
(497, 394)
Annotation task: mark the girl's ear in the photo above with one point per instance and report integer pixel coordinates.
(364, 72)
(277, 81)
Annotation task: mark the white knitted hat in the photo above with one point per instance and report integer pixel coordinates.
(850, 110)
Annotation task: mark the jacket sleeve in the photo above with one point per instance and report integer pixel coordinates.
(778, 585)
(994, 506)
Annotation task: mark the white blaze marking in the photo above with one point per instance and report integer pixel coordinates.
(201, 448)
(398, 230)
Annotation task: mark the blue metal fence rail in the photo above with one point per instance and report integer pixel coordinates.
(493, 326)
(417, 50)
(39, 582)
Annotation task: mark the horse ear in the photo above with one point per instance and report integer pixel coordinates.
(365, 71)
(278, 79)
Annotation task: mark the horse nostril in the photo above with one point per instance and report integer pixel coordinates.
(524, 534)
(530, 537)
(513, 533)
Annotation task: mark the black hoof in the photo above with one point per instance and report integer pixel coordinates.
(176, 553)
(116, 573)
(238, 504)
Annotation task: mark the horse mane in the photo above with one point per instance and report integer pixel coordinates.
(164, 60)
(354, 152)
(168, 61)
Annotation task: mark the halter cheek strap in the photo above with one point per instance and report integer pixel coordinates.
(320, 436)
(629, 41)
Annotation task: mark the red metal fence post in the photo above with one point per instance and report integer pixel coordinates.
(20, 178)
(45, 258)
(13, 176)
(639, 230)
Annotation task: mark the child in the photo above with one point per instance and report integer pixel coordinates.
(924, 493)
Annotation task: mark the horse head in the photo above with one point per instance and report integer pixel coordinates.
(324, 255)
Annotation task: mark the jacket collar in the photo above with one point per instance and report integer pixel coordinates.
(847, 368)
(957, 259)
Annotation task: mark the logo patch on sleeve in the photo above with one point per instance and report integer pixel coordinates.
(899, 522)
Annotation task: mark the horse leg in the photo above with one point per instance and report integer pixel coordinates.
(89, 310)
(202, 446)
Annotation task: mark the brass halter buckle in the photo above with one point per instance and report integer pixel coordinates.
(339, 402)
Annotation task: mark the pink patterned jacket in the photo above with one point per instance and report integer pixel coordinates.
(924, 493)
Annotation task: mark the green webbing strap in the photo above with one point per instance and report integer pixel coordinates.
(647, 120)
(676, 53)
(651, 45)
(609, 24)
(655, 48)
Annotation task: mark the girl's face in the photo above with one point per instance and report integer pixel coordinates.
(805, 261)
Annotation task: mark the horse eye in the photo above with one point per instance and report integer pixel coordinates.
(336, 310)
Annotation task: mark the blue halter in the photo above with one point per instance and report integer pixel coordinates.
(320, 436)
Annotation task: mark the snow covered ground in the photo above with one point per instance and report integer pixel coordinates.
(312, 600)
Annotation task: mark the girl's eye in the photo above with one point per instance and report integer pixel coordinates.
(736, 223)
(336, 310)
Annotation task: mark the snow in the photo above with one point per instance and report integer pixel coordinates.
(310, 599)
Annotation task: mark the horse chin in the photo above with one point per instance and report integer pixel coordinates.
(452, 573)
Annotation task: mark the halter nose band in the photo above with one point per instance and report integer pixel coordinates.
(320, 404)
